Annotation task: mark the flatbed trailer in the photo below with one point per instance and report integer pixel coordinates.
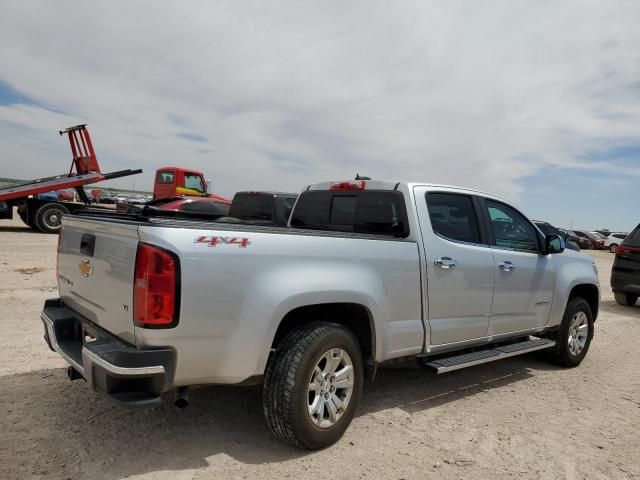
(46, 215)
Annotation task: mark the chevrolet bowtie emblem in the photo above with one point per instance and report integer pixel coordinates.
(86, 268)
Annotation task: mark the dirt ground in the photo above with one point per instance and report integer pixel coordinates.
(519, 418)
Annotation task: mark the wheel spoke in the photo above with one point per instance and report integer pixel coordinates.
(333, 411)
(316, 409)
(337, 402)
(335, 357)
(343, 377)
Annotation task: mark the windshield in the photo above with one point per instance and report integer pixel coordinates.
(599, 235)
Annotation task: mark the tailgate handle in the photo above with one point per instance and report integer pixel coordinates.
(87, 244)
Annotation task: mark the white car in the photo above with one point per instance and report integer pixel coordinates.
(613, 240)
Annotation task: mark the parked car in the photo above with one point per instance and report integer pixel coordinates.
(107, 197)
(571, 237)
(48, 196)
(613, 240)
(368, 272)
(205, 205)
(136, 200)
(548, 229)
(591, 240)
(625, 274)
(66, 195)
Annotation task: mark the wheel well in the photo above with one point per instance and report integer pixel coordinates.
(590, 294)
(355, 317)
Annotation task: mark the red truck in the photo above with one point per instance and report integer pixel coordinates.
(46, 215)
(179, 182)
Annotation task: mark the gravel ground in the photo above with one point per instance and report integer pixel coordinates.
(519, 418)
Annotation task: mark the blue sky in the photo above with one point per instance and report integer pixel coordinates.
(536, 101)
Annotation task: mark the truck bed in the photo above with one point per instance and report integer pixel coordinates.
(197, 222)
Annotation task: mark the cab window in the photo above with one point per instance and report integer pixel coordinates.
(165, 178)
(193, 182)
(369, 212)
(453, 216)
(511, 229)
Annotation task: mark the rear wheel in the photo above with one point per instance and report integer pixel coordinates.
(626, 299)
(313, 385)
(613, 247)
(574, 335)
(48, 217)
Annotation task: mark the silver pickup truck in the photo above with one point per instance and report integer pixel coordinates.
(366, 272)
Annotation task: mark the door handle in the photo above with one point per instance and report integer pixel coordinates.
(506, 266)
(445, 262)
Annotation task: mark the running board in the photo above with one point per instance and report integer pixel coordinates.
(449, 364)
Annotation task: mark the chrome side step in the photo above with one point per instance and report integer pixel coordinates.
(457, 362)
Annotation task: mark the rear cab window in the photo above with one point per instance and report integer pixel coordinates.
(165, 177)
(252, 207)
(374, 212)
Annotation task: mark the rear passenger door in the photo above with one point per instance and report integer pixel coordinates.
(459, 266)
(525, 278)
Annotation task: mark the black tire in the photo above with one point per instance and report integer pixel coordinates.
(626, 299)
(48, 217)
(560, 354)
(613, 247)
(285, 396)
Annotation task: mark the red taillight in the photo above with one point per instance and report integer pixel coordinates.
(155, 290)
(348, 185)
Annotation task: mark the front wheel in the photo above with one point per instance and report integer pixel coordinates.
(574, 335)
(313, 385)
(613, 247)
(626, 299)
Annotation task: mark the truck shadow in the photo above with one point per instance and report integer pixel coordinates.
(18, 229)
(68, 430)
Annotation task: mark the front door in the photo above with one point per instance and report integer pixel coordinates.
(525, 278)
(459, 267)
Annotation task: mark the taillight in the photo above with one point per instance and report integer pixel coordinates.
(348, 185)
(156, 299)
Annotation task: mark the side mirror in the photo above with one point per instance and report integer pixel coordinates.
(554, 244)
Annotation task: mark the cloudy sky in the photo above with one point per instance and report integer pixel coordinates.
(536, 101)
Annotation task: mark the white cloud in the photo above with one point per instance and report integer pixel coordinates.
(287, 93)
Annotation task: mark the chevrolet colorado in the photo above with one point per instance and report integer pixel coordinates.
(366, 272)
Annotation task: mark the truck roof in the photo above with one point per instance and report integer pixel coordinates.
(391, 185)
(263, 192)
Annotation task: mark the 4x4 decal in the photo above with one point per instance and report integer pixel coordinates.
(213, 241)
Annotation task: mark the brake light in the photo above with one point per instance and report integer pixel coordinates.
(155, 291)
(348, 185)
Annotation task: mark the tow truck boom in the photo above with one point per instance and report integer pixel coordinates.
(45, 215)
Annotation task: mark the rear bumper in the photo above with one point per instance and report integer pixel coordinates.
(126, 375)
(624, 282)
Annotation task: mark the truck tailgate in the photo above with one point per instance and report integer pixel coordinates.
(96, 262)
